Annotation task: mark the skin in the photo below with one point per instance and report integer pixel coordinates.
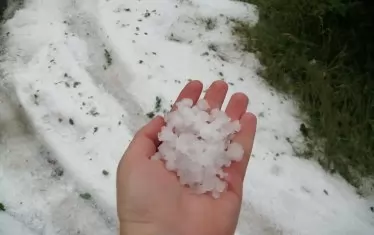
(150, 199)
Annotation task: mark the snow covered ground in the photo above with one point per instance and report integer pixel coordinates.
(78, 79)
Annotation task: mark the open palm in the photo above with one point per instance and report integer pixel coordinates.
(150, 199)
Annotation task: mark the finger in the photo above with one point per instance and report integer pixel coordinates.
(237, 106)
(216, 94)
(150, 131)
(191, 91)
(245, 138)
(145, 142)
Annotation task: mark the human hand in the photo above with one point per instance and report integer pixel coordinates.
(150, 199)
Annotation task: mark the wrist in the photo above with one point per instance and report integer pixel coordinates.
(139, 229)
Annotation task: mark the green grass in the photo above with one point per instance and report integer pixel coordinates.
(108, 59)
(209, 23)
(2, 207)
(321, 53)
(85, 196)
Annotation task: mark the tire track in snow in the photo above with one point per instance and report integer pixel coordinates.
(77, 216)
(77, 120)
(82, 20)
(34, 188)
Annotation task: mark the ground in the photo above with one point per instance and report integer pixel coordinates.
(80, 77)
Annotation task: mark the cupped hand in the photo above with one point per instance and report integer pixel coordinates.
(150, 199)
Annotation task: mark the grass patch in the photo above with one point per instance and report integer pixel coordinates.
(158, 104)
(85, 196)
(108, 59)
(321, 52)
(209, 23)
(157, 108)
(2, 207)
(151, 115)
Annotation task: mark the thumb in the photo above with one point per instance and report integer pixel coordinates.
(145, 142)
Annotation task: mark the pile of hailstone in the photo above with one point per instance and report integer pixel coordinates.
(196, 144)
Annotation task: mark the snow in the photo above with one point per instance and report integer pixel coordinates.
(153, 53)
